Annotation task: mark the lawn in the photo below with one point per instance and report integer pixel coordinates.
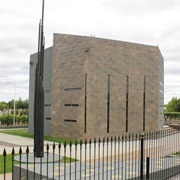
(9, 162)
(177, 154)
(18, 132)
(25, 133)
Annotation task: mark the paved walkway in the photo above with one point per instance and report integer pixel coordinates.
(8, 176)
(9, 141)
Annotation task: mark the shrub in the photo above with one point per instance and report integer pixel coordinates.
(8, 119)
(24, 119)
(172, 115)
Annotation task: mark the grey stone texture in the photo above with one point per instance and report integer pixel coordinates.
(74, 56)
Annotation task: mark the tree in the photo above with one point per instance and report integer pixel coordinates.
(3, 105)
(173, 105)
(11, 104)
(20, 104)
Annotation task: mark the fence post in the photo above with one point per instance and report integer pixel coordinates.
(4, 156)
(147, 168)
(142, 156)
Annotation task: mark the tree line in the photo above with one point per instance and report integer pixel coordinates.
(20, 104)
(7, 112)
(172, 110)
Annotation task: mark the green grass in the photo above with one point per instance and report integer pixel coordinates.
(9, 162)
(174, 154)
(68, 160)
(25, 133)
(18, 132)
(177, 154)
(59, 140)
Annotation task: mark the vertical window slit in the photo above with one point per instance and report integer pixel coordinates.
(144, 103)
(108, 102)
(85, 104)
(127, 98)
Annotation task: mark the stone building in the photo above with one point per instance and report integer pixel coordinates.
(98, 87)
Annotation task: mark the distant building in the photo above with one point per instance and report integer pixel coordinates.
(98, 87)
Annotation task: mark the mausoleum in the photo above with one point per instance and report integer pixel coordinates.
(98, 87)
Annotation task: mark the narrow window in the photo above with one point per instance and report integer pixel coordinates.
(69, 120)
(108, 102)
(71, 104)
(74, 104)
(85, 104)
(73, 89)
(127, 98)
(144, 104)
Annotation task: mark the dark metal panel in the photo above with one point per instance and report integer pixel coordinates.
(39, 95)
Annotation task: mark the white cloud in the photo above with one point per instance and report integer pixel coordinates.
(146, 22)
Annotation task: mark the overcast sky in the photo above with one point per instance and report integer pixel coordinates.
(146, 22)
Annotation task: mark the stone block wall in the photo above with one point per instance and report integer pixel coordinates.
(88, 70)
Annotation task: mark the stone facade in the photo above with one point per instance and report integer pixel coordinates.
(89, 72)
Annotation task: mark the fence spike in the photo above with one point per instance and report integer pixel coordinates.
(85, 142)
(47, 147)
(76, 143)
(99, 141)
(4, 152)
(20, 150)
(27, 150)
(122, 137)
(13, 152)
(103, 140)
(64, 144)
(34, 152)
(59, 145)
(70, 144)
(126, 137)
(54, 146)
(107, 139)
(111, 139)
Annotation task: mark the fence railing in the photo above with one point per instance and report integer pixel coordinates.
(152, 155)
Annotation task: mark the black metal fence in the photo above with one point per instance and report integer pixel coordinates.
(152, 155)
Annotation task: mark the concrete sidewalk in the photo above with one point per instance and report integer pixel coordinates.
(8, 176)
(8, 141)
